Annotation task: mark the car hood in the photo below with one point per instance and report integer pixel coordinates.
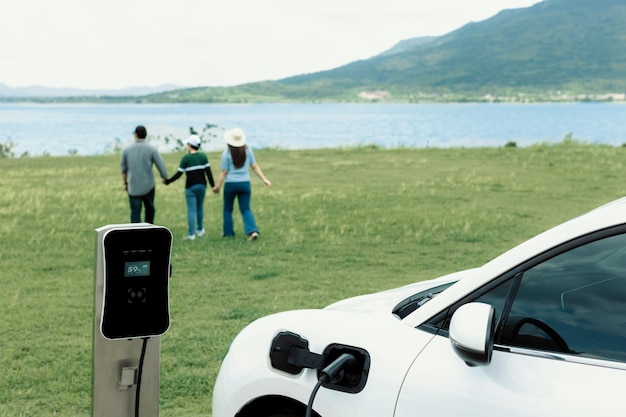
(385, 301)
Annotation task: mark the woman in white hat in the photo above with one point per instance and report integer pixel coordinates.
(235, 175)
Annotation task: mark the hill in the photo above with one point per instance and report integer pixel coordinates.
(42, 91)
(556, 49)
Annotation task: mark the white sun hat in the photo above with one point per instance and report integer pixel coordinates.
(235, 137)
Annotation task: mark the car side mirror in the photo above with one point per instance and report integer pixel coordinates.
(472, 330)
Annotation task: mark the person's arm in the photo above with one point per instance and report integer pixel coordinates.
(220, 181)
(124, 169)
(179, 172)
(257, 170)
(160, 164)
(176, 176)
(209, 175)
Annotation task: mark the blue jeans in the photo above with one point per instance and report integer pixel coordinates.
(243, 192)
(136, 202)
(194, 196)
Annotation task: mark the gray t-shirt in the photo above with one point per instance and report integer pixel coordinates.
(137, 161)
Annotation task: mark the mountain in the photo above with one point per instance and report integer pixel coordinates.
(41, 91)
(408, 44)
(553, 47)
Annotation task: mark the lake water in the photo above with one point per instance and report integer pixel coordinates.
(85, 129)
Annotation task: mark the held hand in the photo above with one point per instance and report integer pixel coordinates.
(216, 189)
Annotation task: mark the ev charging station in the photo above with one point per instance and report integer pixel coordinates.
(131, 313)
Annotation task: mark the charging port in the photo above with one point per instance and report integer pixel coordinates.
(290, 353)
(354, 372)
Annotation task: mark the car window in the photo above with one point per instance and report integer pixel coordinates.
(497, 297)
(573, 303)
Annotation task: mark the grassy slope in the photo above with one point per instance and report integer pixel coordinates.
(336, 223)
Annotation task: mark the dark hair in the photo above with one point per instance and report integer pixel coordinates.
(141, 132)
(239, 155)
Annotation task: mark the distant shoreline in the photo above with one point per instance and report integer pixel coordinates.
(364, 97)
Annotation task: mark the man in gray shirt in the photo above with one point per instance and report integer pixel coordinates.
(136, 164)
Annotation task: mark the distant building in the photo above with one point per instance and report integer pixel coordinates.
(373, 95)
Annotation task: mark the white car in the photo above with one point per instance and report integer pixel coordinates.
(538, 331)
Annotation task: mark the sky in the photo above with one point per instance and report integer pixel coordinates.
(114, 44)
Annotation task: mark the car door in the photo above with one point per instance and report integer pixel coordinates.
(560, 341)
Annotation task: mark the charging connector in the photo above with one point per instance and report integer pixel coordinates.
(332, 373)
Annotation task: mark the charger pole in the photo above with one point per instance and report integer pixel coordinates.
(116, 362)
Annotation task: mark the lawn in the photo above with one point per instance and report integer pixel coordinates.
(335, 223)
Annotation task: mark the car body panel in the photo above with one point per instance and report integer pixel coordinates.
(384, 301)
(518, 385)
(373, 332)
(416, 372)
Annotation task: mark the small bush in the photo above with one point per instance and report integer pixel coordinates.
(6, 149)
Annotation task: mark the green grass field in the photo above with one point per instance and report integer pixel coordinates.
(336, 223)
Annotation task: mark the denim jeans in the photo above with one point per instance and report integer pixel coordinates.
(194, 196)
(135, 207)
(243, 192)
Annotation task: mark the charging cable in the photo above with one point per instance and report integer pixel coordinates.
(140, 372)
(331, 373)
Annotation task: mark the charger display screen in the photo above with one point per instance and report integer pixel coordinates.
(137, 269)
